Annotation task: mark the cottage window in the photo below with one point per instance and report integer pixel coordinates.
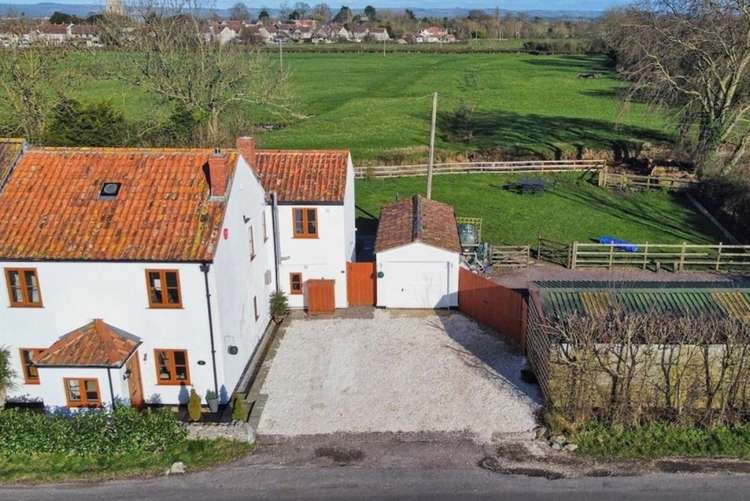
(81, 392)
(23, 287)
(30, 372)
(251, 239)
(295, 283)
(163, 289)
(265, 227)
(172, 367)
(305, 223)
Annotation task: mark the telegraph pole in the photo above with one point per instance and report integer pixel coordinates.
(432, 144)
(281, 57)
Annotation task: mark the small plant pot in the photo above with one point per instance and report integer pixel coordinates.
(213, 405)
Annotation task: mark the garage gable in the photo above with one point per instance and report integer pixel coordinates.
(417, 219)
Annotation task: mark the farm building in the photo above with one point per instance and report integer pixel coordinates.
(417, 253)
(665, 339)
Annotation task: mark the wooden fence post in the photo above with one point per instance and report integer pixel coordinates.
(718, 257)
(611, 255)
(682, 256)
(645, 255)
(574, 256)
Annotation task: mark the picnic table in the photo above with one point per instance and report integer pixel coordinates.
(528, 186)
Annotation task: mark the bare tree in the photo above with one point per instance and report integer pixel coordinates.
(171, 54)
(27, 75)
(692, 56)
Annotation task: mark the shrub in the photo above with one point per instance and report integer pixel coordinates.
(194, 406)
(279, 305)
(6, 373)
(123, 430)
(239, 411)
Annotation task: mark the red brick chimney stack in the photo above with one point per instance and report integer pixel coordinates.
(217, 171)
(246, 147)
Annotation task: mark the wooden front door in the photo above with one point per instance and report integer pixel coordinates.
(360, 284)
(321, 296)
(135, 385)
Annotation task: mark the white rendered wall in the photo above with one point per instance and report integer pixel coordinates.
(52, 392)
(350, 230)
(75, 293)
(238, 279)
(416, 263)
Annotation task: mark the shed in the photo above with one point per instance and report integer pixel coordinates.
(417, 253)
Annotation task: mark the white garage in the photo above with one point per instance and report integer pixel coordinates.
(417, 253)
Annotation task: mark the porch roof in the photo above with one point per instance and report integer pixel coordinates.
(96, 344)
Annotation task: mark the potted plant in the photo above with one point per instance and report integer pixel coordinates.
(279, 306)
(6, 375)
(212, 399)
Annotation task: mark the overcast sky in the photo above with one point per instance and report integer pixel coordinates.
(579, 5)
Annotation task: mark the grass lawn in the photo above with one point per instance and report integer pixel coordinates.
(379, 107)
(573, 209)
(195, 454)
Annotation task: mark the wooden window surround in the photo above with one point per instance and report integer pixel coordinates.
(30, 373)
(305, 223)
(23, 287)
(172, 367)
(82, 392)
(295, 283)
(255, 308)
(251, 238)
(265, 227)
(163, 287)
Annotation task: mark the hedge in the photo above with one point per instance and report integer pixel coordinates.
(124, 430)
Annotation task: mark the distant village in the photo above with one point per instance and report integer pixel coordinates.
(258, 32)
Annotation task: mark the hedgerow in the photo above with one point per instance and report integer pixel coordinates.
(124, 430)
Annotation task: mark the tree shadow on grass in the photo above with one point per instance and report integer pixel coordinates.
(690, 229)
(573, 63)
(483, 130)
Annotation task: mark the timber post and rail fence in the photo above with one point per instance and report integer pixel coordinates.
(519, 167)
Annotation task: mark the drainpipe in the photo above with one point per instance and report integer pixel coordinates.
(205, 267)
(111, 388)
(275, 228)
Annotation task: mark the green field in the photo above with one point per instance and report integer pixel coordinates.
(379, 107)
(572, 209)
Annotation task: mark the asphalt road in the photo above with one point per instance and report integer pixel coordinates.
(242, 482)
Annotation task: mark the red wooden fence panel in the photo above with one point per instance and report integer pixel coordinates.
(360, 283)
(493, 305)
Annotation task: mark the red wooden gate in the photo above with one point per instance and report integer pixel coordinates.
(321, 296)
(360, 284)
(501, 308)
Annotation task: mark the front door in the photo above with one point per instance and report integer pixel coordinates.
(135, 386)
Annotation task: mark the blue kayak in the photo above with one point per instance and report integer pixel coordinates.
(618, 243)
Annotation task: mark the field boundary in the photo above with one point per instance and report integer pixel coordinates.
(636, 182)
(675, 257)
(518, 167)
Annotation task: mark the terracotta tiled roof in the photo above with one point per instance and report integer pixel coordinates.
(95, 344)
(417, 219)
(51, 208)
(303, 176)
(10, 149)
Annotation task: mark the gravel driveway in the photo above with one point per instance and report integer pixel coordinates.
(396, 373)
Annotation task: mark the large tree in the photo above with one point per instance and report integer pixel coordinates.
(30, 84)
(692, 56)
(239, 12)
(169, 56)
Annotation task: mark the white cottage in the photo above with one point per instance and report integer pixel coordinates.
(314, 196)
(132, 275)
(417, 254)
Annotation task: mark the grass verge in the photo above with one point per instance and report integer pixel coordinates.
(661, 440)
(196, 454)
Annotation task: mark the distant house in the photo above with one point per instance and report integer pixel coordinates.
(85, 34)
(433, 34)
(53, 33)
(380, 34)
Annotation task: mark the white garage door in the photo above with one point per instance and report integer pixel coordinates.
(417, 285)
